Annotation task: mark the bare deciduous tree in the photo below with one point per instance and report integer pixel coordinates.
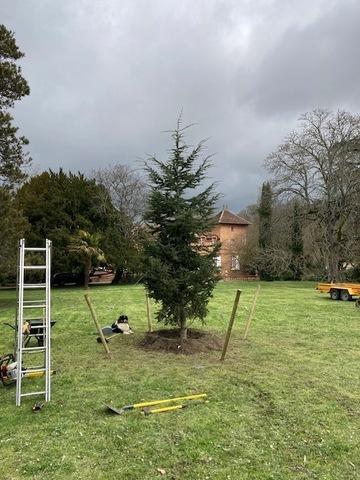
(320, 164)
(128, 191)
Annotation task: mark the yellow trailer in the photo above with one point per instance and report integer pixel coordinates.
(340, 291)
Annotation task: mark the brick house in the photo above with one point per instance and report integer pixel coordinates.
(231, 231)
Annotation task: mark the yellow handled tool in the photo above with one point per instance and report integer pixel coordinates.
(37, 374)
(147, 411)
(119, 411)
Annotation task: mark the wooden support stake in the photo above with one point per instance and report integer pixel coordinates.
(251, 313)
(231, 323)
(93, 314)
(148, 309)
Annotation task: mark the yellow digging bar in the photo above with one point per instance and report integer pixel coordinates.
(158, 402)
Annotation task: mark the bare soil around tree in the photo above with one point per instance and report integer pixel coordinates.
(168, 340)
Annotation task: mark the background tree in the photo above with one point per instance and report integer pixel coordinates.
(265, 217)
(57, 206)
(319, 165)
(13, 227)
(127, 191)
(265, 232)
(87, 246)
(13, 86)
(297, 244)
(274, 262)
(178, 272)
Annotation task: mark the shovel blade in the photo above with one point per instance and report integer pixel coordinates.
(118, 411)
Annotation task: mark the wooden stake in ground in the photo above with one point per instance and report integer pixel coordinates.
(251, 314)
(231, 323)
(148, 311)
(93, 314)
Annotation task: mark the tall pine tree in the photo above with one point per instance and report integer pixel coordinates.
(178, 272)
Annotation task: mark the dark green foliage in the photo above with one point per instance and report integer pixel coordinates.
(13, 226)
(13, 87)
(12, 157)
(57, 206)
(122, 250)
(265, 232)
(353, 274)
(178, 273)
(265, 217)
(297, 244)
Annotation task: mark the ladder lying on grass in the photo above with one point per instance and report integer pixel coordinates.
(33, 261)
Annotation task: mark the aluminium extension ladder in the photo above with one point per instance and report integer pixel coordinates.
(34, 309)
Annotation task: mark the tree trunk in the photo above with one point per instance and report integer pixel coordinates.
(87, 271)
(333, 262)
(333, 254)
(183, 325)
(118, 276)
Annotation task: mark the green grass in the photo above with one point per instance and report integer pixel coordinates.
(283, 405)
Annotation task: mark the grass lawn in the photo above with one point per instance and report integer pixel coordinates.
(285, 403)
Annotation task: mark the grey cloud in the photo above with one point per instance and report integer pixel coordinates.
(107, 78)
(309, 67)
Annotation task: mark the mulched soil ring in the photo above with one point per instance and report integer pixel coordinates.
(168, 340)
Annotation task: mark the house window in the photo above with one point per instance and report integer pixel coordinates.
(218, 261)
(202, 240)
(235, 262)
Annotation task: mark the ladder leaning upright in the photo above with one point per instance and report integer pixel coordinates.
(33, 308)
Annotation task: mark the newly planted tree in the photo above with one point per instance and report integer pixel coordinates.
(179, 273)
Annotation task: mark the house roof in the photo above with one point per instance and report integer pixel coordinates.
(227, 217)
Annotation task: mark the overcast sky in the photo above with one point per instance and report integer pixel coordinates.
(108, 77)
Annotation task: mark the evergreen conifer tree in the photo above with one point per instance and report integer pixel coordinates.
(265, 232)
(179, 273)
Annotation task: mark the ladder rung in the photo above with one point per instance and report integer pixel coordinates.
(40, 305)
(34, 267)
(29, 302)
(32, 393)
(34, 249)
(32, 349)
(34, 285)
